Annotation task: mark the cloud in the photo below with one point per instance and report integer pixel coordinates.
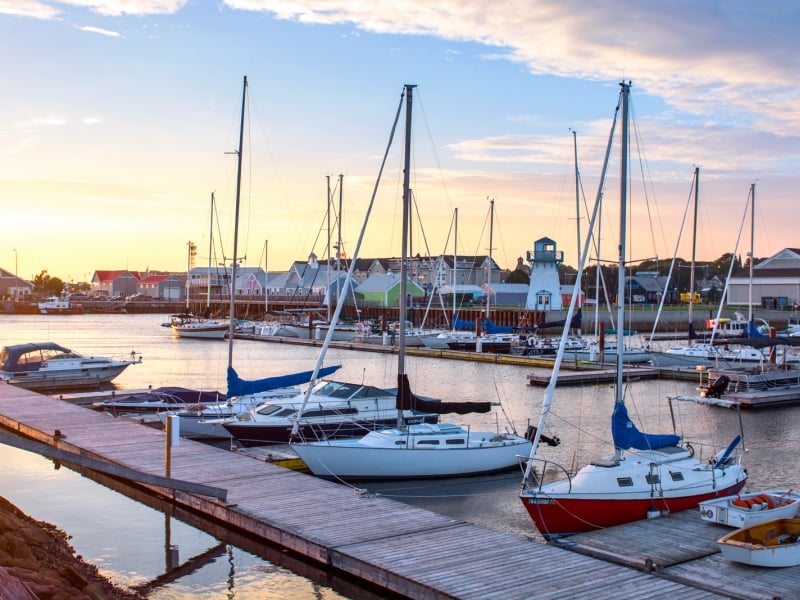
(695, 56)
(25, 8)
(98, 30)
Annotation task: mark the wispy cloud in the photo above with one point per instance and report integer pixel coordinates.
(98, 30)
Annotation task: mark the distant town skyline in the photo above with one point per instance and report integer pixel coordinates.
(119, 123)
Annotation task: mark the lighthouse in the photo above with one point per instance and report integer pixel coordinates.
(545, 289)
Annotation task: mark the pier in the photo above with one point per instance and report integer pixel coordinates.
(383, 543)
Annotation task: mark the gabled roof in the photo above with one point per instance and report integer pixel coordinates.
(155, 279)
(111, 276)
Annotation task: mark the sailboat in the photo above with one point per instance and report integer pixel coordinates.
(414, 450)
(648, 474)
(188, 325)
(206, 421)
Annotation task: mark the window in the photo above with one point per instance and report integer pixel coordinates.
(676, 475)
(624, 482)
(455, 442)
(428, 443)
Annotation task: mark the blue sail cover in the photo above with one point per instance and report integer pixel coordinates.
(626, 435)
(459, 324)
(240, 387)
(753, 332)
(491, 327)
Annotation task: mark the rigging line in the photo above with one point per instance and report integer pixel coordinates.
(674, 256)
(421, 107)
(644, 168)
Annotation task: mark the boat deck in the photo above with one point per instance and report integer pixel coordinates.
(401, 549)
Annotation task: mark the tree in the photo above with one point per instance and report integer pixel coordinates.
(44, 285)
(518, 276)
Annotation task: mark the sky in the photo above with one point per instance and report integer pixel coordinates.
(121, 119)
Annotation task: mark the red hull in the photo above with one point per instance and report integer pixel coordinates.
(566, 516)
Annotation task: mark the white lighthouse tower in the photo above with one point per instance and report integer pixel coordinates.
(544, 292)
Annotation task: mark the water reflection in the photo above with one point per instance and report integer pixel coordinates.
(140, 546)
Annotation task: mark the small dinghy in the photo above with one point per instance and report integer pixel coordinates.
(773, 543)
(743, 510)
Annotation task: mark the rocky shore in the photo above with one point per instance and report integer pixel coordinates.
(38, 563)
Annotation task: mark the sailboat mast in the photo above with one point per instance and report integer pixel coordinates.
(232, 327)
(401, 366)
(455, 265)
(623, 213)
(694, 241)
(210, 250)
(577, 191)
(491, 245)
(752, 250)
(266, 278)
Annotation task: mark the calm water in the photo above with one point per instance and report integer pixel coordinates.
(136, 545)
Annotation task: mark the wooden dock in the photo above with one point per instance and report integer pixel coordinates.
(404, 550)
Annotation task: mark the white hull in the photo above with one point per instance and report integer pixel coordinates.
(379, 455)
(743, 510)
(770, 544)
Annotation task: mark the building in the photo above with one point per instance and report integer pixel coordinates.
(14, 288)
(776, 282)
(544, 292)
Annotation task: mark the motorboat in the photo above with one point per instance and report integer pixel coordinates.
(335, 409)
(774, 543)
(48, 366)
(161, 399)
(191, 326)
(743, 510)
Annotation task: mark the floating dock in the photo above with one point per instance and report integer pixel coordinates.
(403, 550)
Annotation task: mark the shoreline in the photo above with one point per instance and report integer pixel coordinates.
(37, 561)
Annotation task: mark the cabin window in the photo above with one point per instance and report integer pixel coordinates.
(428, 443)
(652, 478)
(399, 443)
(269, 409)
(676, 475)
(455, 442)
(329, 412)
(624, 482)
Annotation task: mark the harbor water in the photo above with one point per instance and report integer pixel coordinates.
(140, 547)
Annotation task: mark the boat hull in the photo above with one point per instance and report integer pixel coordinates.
(562, 516)
(773, 543)
(74, 379)
(743, 510)
(354, 462)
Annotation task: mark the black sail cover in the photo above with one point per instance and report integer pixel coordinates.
(407, 400)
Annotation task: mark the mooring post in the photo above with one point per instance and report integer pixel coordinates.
(173, 439)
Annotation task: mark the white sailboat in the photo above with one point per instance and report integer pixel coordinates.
(188, 325)
(242, 395)
(414, 450)
(648, 474)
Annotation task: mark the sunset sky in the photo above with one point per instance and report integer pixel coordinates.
(119, 117)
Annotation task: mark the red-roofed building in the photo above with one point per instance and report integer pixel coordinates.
(120, 283)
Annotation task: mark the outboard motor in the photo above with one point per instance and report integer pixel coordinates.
(716, 389)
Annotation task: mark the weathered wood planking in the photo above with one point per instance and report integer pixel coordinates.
(404, 549)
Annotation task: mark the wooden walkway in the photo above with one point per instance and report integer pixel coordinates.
(405, 550)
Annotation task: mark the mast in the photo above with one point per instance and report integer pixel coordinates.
(266, 278)
(328, 254)
(232, 327)
(752, 250)
(401, 349)
(455, 266)
(577, 190)
(489, 273)
(694, 241)
(339, 236)
(623, 212)
(210, 250)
